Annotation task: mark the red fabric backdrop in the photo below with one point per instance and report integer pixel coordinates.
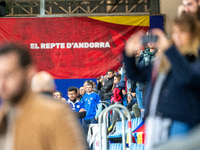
(106, 40)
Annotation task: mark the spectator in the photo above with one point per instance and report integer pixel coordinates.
(58, 95)
(99, 79)
(124, 94)
(172, 96)
(145, 58)
(117, 95)
(79, 97)
(140, 86)
(76, 105)
(106, 89)
(117, 90)
(33, 121)
(43, 83)
(119, 70)
(85, 85)
(130, 103)
(149, 54)
(133, 106)
(123, 72)
(131, 100)
(91, 100)
(94, 87)
(82, 90)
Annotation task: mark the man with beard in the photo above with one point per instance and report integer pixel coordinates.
(190, 6)
(76, 105)
(30, 121)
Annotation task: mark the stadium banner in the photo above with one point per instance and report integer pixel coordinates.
(74, 48)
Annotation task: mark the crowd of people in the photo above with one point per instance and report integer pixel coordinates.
(161, 83)
(87, 100)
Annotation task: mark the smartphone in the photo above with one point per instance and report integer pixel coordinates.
(149, 38)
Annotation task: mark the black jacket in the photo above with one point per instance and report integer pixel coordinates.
(106, 90)
(179, 97)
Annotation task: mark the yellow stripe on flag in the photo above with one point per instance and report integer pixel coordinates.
(127, 140)
(125, 20)
(139, 138)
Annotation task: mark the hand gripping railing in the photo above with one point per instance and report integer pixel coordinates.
(104, 112)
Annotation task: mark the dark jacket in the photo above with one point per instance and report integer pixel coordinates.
(179, 98)
(130, 105)
(106, 90)
(121, 85)
(146, 58)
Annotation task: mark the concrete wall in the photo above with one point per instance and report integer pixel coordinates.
(169, 8)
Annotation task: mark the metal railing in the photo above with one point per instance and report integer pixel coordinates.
(117, 108)
(75, 7)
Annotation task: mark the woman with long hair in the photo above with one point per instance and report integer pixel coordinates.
(172, 99)
(117, 94)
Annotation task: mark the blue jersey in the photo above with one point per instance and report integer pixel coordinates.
(75, 106)
(90, 103)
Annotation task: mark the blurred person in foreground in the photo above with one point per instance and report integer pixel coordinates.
(187, 142)
(172, 99)
(32, 122)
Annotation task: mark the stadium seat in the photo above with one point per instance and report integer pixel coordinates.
(135, 122)
(116, 146)
(118, 133)
(137, 147)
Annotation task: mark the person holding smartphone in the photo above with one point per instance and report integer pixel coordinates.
(171, 101)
